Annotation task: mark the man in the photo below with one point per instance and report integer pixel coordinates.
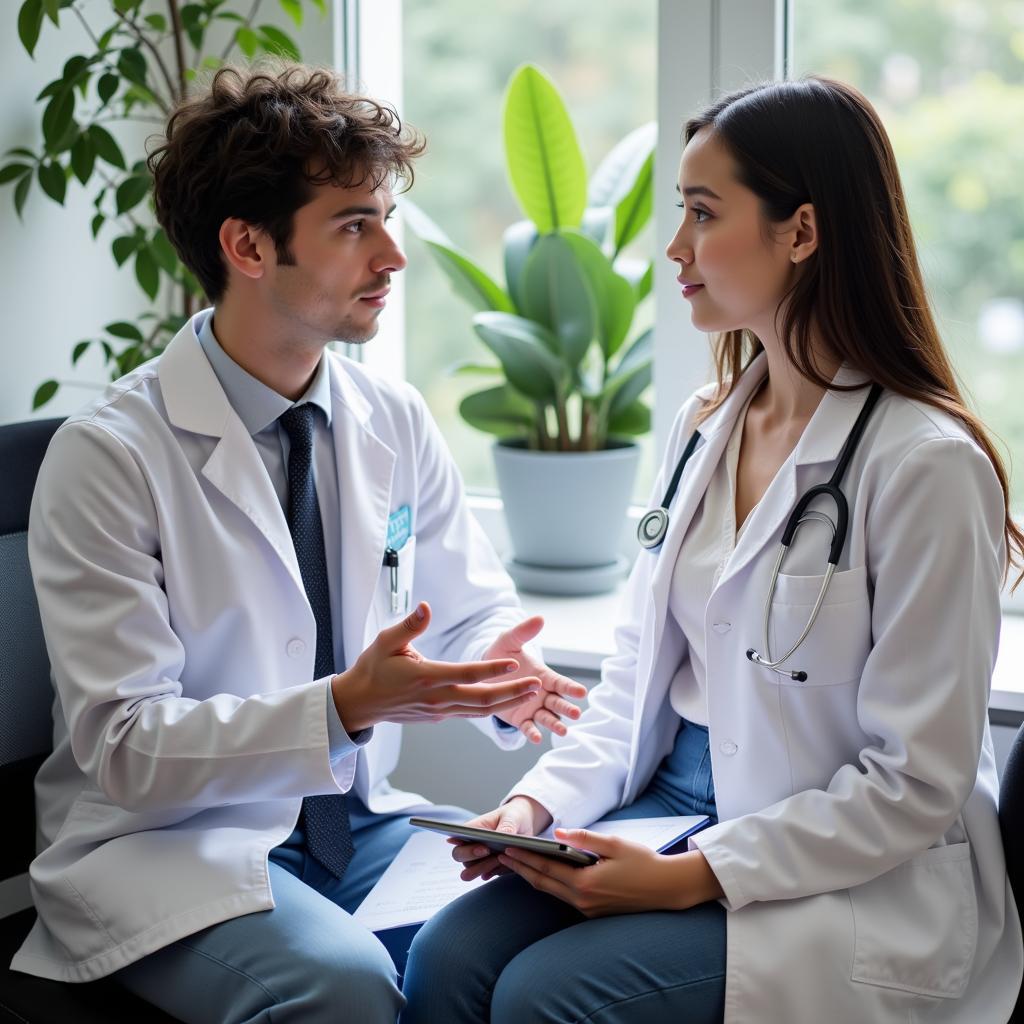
(231, 549)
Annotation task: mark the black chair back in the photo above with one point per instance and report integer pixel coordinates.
(26, 697)
(1011, 824)
(26, 737)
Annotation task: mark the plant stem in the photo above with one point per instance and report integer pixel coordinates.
(543, 441)
(179, 46)
(564, 440)
(144, 40)
(248, 21)
(587, 439)
(88, 31)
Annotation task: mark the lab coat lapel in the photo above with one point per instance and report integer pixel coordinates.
(715, 431)
(196, 402)
(365, 471)
(810, 463)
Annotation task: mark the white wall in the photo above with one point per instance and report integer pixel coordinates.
(58, 286)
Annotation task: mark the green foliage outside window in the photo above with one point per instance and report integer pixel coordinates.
(947, 77)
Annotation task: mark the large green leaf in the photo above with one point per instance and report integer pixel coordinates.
(30, 22)
(470, 282)
(635, 208)
(555, 291)
(53, 180)
(147, 273)
(57, 117)
(641, 350)
(618, 171)
(12, 171)
(501, 411)
(614, 297)
(21, 193)
(518, 240)
(44, 393)
(639, 273)
(631, 420)
(277, 42)
(83, 157)
(526, 351)
(106, 148)
(545, 163)
(131, 192)
(632, 376)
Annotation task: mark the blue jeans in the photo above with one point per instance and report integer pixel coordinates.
(304, 961)
(508, 954)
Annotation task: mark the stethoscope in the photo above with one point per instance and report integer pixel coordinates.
(654, 525)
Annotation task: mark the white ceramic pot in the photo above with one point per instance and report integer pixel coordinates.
(565, 512)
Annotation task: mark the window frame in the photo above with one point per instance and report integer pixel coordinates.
(723, 47)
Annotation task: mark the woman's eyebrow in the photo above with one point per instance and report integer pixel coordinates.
(699, 190)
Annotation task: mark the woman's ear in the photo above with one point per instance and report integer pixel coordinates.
(804, 233)
(241, 244)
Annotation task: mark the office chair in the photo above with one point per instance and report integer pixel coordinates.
(1011, 824)
(26, 737)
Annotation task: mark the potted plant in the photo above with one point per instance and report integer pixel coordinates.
(135, 69)
(569, 403)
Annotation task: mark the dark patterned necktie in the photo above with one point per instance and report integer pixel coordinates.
(326, 821)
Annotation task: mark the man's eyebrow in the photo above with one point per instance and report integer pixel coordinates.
(699, 190)
(362, 211)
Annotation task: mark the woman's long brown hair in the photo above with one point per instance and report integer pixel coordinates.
(819, 141)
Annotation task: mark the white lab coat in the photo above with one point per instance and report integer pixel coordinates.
(858, 845)
(188, 727)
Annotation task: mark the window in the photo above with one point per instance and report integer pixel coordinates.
(948, 80)
(458, 57)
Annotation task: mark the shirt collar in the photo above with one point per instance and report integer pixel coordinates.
(257, 405)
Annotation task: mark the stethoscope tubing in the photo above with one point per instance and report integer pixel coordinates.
(653, 527)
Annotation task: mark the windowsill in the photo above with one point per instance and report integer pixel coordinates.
(579, 631)
(579, 634)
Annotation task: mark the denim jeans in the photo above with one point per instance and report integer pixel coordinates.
(507, 953)
(304, 961)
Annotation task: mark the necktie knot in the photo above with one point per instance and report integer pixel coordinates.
(298, 425)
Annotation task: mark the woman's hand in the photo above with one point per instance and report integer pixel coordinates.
(551, 704)
(522, 815)
(628, 879)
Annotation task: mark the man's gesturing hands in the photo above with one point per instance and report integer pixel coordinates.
(392, 682)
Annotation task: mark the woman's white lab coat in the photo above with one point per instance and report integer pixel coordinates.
(188, 727)
(858, 845)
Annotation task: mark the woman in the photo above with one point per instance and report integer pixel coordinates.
(853, 871)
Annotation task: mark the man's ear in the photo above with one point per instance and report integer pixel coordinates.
(804, 228)
(244, 247)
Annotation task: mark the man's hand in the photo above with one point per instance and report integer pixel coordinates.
(392, 682)
(522, 815)
(549, 706)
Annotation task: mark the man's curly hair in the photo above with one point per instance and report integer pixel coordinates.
(252, 146)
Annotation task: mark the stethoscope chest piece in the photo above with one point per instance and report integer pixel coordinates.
(652, 528)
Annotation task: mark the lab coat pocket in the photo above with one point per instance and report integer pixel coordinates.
(835, 649)
(394, 598)
(916, 927)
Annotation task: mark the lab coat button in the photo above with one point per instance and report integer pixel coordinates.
(296, 648)
(728, 748)
(721, 627)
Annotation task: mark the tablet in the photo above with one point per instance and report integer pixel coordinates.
(499, 841)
